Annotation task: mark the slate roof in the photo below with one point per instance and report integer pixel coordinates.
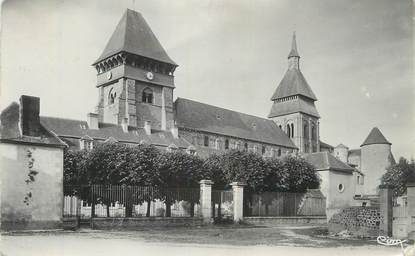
(342, 146)
(10, 131)
(325, 145)
(293, 83)
(134, 35)
(77, 128)
(203, 117)
(325, 161)
(355, 152)
(375, 137)
(293, 106)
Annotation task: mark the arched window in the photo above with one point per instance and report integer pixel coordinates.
(292, 130)
(280, 127)
(147, 95)
(305, 131)
(279, 152)
(226, 144)
(263, 149)
(246, 146)
(288, 131)
(111, 96)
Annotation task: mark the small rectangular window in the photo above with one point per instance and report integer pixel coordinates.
(206, 141)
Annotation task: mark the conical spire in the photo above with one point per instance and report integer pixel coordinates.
(375, 137)
(293, 52)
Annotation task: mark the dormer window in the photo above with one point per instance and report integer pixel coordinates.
(147, 96)
(86, 143)
(112, 95)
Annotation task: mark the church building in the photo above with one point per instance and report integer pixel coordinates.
(135, 88)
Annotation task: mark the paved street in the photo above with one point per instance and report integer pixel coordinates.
(173, 242)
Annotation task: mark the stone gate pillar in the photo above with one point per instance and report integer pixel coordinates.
(386, 209)
(206, 200)
(238, 201)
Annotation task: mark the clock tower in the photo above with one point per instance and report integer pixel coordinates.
(135, 77)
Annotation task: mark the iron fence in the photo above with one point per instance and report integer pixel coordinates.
(283, 204)
(130, 201)
(222, 203)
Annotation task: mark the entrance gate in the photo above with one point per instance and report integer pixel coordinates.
(222, 204)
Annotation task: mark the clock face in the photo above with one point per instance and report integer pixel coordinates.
(149, 76)
(109, 75)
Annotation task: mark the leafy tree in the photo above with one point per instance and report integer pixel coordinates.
(398, 175)
(178, 169)
(300, 174)
(212, 170)
(74, 171)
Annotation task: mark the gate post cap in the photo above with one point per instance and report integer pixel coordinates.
(238, 183)
(206, 182)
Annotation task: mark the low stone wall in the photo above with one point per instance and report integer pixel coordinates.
(280, 221)
(357, 222)
(136, 223)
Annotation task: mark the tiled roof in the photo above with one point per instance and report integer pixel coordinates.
(293, 106)
(326, 161)
(77, 128)
(10, 131)
(292, 84)
(202, 117)
(341, 146)
(375, 137)
(133, 35)
(325, 145)
(355, 152)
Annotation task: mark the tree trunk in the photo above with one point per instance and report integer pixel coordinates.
(192, 209)
(168, 209)
(148, 208)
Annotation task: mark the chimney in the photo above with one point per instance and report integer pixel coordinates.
(29, 115)
(92, 120)
(175, 131)
(124, 124)
(147, 127)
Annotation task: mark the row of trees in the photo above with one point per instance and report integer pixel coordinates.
(145, 165)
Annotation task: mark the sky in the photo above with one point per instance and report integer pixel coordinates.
(356, 56)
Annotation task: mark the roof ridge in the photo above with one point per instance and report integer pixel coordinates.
(265, 119)
(63, 118)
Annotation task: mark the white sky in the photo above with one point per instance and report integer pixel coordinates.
(356, 56)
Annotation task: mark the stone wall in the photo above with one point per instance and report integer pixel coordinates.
(282, 220)
(357, 222)
(217, 144)
(137, 223)
(43, 210)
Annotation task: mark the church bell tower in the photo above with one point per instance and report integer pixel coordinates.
(293, 108)
(135, 77)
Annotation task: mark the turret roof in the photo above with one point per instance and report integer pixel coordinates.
(134, 35)
(375, 137)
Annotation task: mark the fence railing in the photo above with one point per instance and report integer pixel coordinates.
(284, 204)
(222, 203)
(130, 201)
